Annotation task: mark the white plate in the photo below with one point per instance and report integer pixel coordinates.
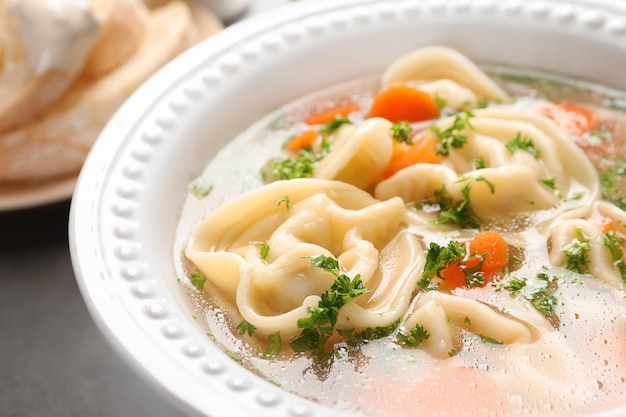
(133, 185)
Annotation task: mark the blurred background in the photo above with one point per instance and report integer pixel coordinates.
(53, 360)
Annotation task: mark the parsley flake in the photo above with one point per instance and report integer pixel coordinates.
(614, 245)
(452, 136)
(331, 127)
(414, 337)
(549, 182)
(285, 200)
(197, 279)
(455, 212)
(577, 254)
(274, 347)
(401, 132)
(264, 250)
(543, 298)
(320, 325)
(522, 143)
(246, 327)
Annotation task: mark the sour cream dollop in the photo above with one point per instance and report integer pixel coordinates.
(56, 34)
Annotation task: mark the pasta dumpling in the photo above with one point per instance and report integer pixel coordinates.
(311, 218)
(450, 73)
(528, 165)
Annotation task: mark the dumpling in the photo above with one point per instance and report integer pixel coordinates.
(297, 220)
(529, 165)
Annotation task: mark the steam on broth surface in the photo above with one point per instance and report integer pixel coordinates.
(434, 240)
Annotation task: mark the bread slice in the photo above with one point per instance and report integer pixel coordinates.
(57, 142)
(123, 28)
(25, 93)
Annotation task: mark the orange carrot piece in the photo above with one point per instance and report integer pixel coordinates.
(453, 276)
(423, 150)
(401, 102)
(607, 225)
(495, 249)
(570, 117)
(304, 139)
(328, 116)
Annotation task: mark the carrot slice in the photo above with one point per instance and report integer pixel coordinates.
(423, 150)
(495, 249)
(400, 102)
(453, 276)
(304, 139)
(570, 117)
(328, 116)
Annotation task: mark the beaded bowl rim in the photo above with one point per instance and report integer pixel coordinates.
(131, 189)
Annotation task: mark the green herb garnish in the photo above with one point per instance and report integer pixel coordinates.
(577, 254)
(614, 245)
(354, 337)
(320, 325)
(401, 132)
(197, 279)
(479, 163)
(331, 127)
(542, 298)
(488, 339)
(274, 347)
(246, 328)
(549, 182)
(452, 136)
(612, 181)
(456, 212)
(199, 189)
(286, 201)
(522, 143)
(414, 337)
(264, 250)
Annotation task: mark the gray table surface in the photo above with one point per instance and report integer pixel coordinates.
(53, 360)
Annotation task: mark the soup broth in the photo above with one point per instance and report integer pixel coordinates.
(538, 329)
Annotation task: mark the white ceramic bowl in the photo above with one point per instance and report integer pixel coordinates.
(128, 198)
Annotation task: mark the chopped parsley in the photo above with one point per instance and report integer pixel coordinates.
(549, 182)
(331, 127)
(320, 325)
(488, 339)
(354, 337)
(401, 132)
(197, 279)
(274, 347)
(440, 101)
(577, 254)
(199, 189)
(414, 337)
(612, 181)
(303, 166)
(285, 200)
(264, 250)
(452, 136)
(479, 163)
(614, 245)
(246, 327)
(440, 257)
(542, 297)
(455, 212)
(522, 143)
